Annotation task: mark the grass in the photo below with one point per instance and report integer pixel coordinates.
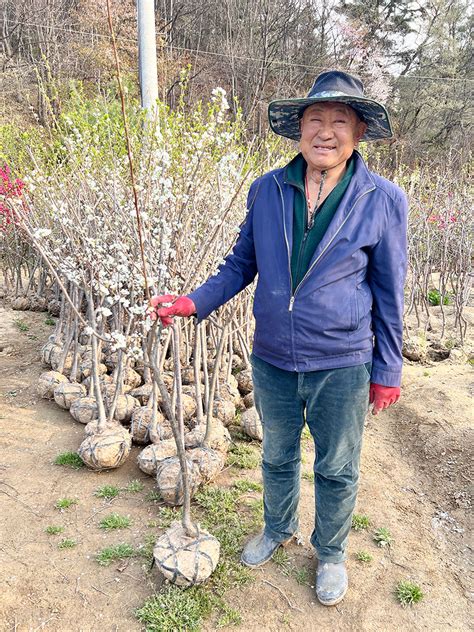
(363, 556)
(54, 530)
(134, 486)
(114, 521)
(243, 456)
(153, 496)
(360, 522)
(383, 537)
(167, 515)
(21, 325)
(408, 593)
(107, 492)
(112, 553)
(308, 476)
(49, 321)
(69, 459)
(283, 561)
(67, 543)
(243, 486)
(229, 518)
(65, 503)
(176, 610)
(306, 435)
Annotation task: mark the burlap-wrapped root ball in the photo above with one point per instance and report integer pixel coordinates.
(48, 381)
(170, 481)
(86, 368)
(224, 410)
(142, 393)
(142, 421)
(55, 359)
(126, 404)
(230, 392)
(21, 303)
(66, 393)
(210, 462)
(219, 438)
(106, 450)
(130, 376)
(244, 381)
(186, 560)
(153, 454)
(249, 400)
(48, 349)
(160, 430)
(84, 409)
(251, 424)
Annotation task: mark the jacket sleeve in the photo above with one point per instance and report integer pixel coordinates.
(237, 271)
(386, 276)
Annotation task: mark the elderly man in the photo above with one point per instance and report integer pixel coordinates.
(327, 238)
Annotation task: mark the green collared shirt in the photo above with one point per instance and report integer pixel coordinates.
(306, 241)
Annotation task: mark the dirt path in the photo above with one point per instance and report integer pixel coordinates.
(414, 482)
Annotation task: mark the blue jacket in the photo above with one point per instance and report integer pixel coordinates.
(348, 309)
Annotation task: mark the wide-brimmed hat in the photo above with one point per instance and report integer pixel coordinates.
(285, 114)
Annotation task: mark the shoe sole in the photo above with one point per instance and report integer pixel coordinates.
(267, 559)
(334, 602)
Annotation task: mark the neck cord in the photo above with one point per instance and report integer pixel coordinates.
(314, 211)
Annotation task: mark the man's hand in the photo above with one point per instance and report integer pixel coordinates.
(382, 397)
(181, 306)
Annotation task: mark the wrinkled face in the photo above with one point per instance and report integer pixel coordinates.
(329, 133)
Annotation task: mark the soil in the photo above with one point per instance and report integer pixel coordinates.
(414, 481)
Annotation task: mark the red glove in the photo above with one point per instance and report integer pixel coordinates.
(181, 306)
(383, 396)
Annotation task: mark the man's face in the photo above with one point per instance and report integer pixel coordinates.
(329, 133)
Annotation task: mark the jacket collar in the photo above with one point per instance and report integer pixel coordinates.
(360, 184)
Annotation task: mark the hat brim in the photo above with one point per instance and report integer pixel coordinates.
(284, 115)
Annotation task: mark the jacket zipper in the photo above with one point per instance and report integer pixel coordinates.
(293, 294)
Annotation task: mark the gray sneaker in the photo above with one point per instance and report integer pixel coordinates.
(259, 550)
(331, 582)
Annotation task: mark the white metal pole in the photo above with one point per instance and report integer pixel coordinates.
(147, 55)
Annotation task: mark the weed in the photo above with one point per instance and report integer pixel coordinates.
(306, 434)
(434, 298)
(114, 521)
(308, 476)
(360, 522)
(408, 593)
(176, 610)
(134, 486)
(167, 515)
(107, 491)
(65, 503)
(69, 459)
(238, 435)
(153, 496)
(112, 553)
(282, 560)
(363, 556)
(426, 374)
(67, 543)
(243, 486)
(54, 530)
(302, 576)
(383, 537)
(146, 550)
(229, 616)
(21, 325)
(49, 321)
(243, 456)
